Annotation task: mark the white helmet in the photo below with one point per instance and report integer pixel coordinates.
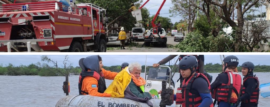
(122, 28)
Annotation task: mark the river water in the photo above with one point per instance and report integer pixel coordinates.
(37, 91)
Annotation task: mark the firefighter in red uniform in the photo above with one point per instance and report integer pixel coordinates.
(250, 90)
(195, 89)
(226, 88)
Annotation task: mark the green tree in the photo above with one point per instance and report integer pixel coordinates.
(145, 16)
(165, 22)
(116, 8)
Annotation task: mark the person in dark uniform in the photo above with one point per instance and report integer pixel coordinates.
(250, 90)
(195, 89)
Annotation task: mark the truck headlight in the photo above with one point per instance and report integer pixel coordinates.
(47, 33)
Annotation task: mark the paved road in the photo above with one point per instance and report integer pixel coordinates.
(137, 47)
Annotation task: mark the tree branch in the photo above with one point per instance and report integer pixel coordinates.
(246, 9)
(247, 3)
(217, 4)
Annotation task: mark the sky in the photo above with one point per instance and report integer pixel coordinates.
(153, 6)
(109, 60)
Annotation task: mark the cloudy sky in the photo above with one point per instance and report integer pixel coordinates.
(109, 60)
(153, 6)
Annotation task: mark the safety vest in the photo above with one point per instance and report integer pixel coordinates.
(187, 99)
(142, 88)
(229, 92)
(255, 94)
(96, 75)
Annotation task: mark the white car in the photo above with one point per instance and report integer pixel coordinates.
(178, 37)
(138, 33)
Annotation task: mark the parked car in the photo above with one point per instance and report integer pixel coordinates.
(178, 37)
(138, 33)
(112, 39)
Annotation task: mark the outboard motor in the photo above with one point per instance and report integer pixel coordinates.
(167, 95)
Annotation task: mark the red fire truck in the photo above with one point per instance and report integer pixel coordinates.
(46, 26)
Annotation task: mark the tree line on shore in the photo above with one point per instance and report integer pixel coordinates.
(46, 70)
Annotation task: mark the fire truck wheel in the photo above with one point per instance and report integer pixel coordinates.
(102, 47)
(76, 47)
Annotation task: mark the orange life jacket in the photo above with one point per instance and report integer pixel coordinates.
(229, 92)
(96, 75)
(188, 99)
(255, 94)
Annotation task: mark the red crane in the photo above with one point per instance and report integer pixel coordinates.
(154, 19)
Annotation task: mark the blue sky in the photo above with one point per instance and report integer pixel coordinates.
(109, 60)
(153, 6)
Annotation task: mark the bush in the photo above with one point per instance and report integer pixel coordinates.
(195, 42)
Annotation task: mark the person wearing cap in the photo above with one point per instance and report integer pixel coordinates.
(92, 78)
(195, 89)
(122, 37)
(226, 88)
(250, 90)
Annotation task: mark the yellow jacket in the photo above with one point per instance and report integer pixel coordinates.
(122, 35)
(119, 84)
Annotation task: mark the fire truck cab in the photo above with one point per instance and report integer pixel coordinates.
(47, 26)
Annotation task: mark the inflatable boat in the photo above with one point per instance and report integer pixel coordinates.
(153, 85)
(93, 101)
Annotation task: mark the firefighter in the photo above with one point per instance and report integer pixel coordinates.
(92, 78)
(250, 90)
(226, 88)
(159, 27)
(122, 37)
(124, 65)
(132, 8)
(195, 89)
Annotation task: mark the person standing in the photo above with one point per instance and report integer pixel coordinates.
(122, 37)
(250, 90)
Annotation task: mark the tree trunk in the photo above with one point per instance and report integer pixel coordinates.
(239, 29)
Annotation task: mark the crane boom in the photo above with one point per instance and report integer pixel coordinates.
(144, 4)
(153, 20)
